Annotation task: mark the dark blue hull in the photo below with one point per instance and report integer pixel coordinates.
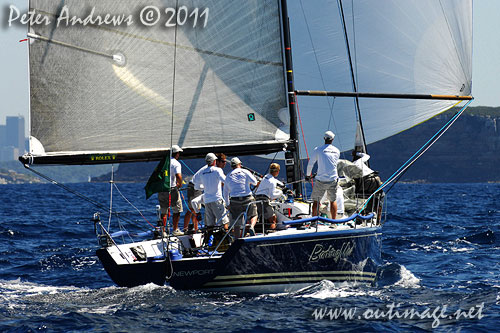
(265, 263)
(293, 259)
(136, 274)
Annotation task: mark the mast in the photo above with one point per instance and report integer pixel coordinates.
(292, 156)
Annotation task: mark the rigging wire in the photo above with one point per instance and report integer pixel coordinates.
(464, 72)
(330, 104)
(397, 175)
(305, 144)
(78, 194)
(166, 249)
(130, 203)
(353, 78)
(173, 84)
(111, 195)
(190, 170)
(172, 118)
(301, 128)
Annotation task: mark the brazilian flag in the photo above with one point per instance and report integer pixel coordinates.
(159, 181)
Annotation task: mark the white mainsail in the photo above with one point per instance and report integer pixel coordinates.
(218, 85)
(397, 46)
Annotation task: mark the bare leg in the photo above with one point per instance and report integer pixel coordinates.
(253, 221)
(187, 217)
(272, 221)
(315, 208)
(333, 209)
(195, 222)
(163, 221)
(175, 220)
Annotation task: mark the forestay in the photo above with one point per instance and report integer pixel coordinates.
(99, 89)
(410, 47)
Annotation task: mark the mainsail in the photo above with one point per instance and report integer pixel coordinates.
(403, 47)
(101, 92)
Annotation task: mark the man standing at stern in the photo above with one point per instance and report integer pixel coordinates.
(175, 198)
(210, 178)
(237, 192)
(327, 157)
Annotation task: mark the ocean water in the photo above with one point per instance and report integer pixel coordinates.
(440, 250)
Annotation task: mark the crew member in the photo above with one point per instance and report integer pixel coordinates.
(239, 195)
(267, 190)
(369, 182)
(175, 198)
(210, 178)
(326, 156)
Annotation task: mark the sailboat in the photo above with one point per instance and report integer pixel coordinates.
(116, 94)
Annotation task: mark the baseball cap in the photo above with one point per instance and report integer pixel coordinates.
(210, 158)
(235, 161)
(176, 149)
(329, 135)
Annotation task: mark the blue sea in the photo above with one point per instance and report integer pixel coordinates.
(440, 250)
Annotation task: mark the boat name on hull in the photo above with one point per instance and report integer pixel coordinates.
(319, 252)
(194, 272)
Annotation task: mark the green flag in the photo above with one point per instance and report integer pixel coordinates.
(159, 181)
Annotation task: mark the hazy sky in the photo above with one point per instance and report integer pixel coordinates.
(14, 63)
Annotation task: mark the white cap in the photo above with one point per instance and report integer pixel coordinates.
(210, 158)
(329, 135)
(235, 161)
(176, 149)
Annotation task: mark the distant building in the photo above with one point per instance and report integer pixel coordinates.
(3, 136)
(8, 153)
(12, 140)
(15, 132)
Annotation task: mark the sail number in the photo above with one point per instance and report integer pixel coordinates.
(152, 15)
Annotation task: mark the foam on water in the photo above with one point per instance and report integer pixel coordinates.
(17, 288)
(328, 289)
(430, 256)
(408, 279)
(462, 249)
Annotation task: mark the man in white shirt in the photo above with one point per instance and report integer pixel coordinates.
(193, 193)
(210, 178)
(174, 195)
(239, 195)
(368, 183)
(360, 159)
(266, 191)
(326, 156)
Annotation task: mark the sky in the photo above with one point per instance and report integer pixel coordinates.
(14, 92)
